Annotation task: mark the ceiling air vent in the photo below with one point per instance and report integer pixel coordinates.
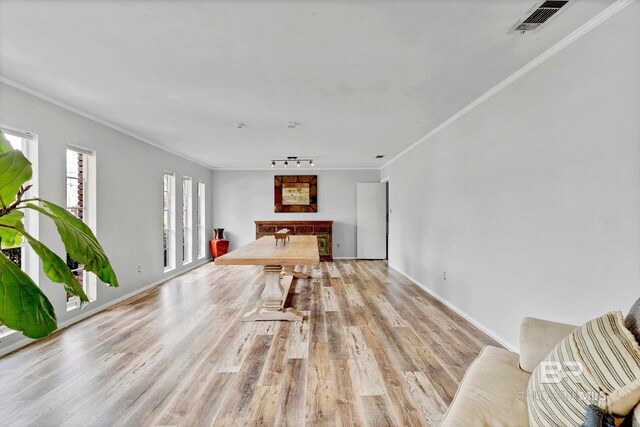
(537, 16)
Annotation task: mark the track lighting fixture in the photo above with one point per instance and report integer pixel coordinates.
(285, 162)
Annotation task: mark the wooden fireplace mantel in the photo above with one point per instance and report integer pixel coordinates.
(323, 230)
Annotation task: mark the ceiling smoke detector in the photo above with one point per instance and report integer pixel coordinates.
(538, 15)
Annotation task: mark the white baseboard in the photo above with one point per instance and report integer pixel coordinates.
(344, 257)
(509, 346)
(86, 313)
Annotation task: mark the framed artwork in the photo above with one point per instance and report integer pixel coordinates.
(295, 193)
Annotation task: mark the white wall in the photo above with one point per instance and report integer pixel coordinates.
(531, 201)
(129, 191)
(242, 197)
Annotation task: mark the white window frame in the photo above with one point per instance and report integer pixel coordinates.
(30, 261)
(201, 216)
(170, 228)
(187, 220)
(90, 281)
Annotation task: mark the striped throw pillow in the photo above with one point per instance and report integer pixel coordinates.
(597, 364)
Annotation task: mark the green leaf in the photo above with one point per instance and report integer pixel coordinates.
(15, 170)
(55, 268)
(79, 241)
(9, 236)
(5, 145)
(23, 306)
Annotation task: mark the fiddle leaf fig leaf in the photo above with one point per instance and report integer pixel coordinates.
(23, 306)
(55, 268)
(5, 145)
(79, 241)
(9, 223)
(15, 170)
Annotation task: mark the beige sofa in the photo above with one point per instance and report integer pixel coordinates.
(493, 390)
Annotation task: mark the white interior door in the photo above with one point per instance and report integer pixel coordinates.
(371, 220)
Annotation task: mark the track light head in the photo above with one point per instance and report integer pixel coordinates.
(273, 164)
(286, 163)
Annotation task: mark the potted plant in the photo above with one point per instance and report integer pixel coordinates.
(23, 306)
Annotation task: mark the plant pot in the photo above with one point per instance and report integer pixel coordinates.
(218, 247)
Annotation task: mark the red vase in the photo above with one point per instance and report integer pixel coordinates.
(218, 247)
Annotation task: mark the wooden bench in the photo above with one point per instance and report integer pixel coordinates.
(282, 235)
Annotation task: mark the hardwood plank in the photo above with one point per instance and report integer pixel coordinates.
(426, 397)
(236, 407)
(333, 270)
(335, 336)
(363, 364)
(317, 324)
(350, 313)
(291, 410)
(352, 295)
(321, 403)
(348, 269)
(299, 338)
(399, 399)
(388, 312)
(274, 368)
(349, 410)
(376, 411)
(237, 352)
(329, 299)
(264, 406)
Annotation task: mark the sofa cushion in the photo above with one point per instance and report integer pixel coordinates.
(597, 364)
(632, 321)
(492, 393)
(537, 338)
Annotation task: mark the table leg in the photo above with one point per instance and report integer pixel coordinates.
(288, 271)
(273, 297)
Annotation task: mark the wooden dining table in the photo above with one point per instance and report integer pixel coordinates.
(279, 264)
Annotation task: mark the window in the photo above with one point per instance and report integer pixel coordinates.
(201, 219)
(169, 221)
(15, 253)
(81, 202)
(22, 255)
(187, 221)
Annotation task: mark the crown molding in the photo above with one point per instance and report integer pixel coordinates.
(37, 94)
(540, 59)
(307, 169)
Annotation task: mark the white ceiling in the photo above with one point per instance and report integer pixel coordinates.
(361, 77)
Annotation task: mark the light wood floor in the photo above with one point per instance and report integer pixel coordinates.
(376, 350)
